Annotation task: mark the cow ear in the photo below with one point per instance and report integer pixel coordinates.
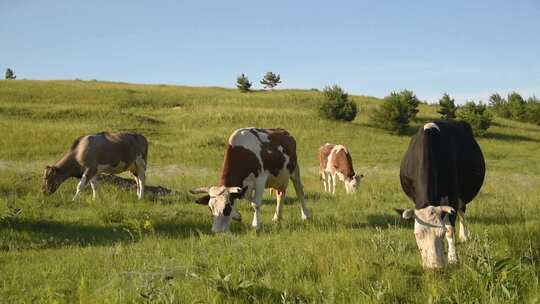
(203, 200)
(405, 213)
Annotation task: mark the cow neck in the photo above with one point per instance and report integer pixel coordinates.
(69, 166)
(238, 164)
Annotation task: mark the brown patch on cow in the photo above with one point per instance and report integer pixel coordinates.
(238, 164)
(341, 161)
(273, 158)
(324, 152)
(110, 149)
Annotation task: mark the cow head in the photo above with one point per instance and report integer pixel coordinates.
(429, 230)
(52, 178)
(220, 200)
(353, 184)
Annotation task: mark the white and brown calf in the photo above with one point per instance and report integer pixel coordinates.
(335, 163)
(102, 153)
(255, 159)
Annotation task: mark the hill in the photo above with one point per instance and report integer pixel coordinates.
(354, 249)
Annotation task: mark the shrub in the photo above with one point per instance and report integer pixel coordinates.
(243, 84)
(499, 105)
(448, 107)
(476, 115)
(412, 101)
(516, 106)
(336, 105)
(270, 80)
(10, 75)
(532, 110)
(393, 114)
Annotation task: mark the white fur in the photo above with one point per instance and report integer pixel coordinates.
(430, 125)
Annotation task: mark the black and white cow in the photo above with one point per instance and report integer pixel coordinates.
(442, 171)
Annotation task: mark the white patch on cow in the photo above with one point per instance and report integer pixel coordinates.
(430, 125)
(429, 231)
(244, 138)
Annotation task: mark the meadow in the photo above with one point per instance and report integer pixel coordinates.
(354, 249)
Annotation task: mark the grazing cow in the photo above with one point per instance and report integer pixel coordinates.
(91, 155)
(255, 159)
(335, 162)
(442, 170)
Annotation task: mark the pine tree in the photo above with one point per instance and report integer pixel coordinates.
(448, 107)
(410, 98)
(10, 74)
(516, 106)
(243, 84)
(270, 80)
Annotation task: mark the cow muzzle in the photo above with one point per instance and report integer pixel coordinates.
(221, 224)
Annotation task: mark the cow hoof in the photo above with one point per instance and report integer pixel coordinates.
(276, 218)
(453, 259)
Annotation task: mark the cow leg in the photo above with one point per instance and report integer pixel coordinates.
(87, 175)
(279, 206)
(134, 175)
(256, 202)
(141, 172)
(235, 215)
(323, 178)
(93, 184)
(334, 183)
(299, 188)
(463, 232)
(449, 222)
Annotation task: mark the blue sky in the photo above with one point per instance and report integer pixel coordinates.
(469, 49)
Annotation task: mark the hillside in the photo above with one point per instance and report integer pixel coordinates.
(354, 249)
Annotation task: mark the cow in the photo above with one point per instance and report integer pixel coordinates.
(255, 159)
(335, 162)
(101, 153)
(441, 172)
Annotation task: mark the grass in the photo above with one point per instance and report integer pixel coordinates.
(354, 249)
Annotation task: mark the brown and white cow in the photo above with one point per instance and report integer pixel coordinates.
(255, 159)
(335, 162)
(91, 155)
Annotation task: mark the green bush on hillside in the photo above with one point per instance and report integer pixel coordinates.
(476, 115)
(270, 80)
(395, 112)
(337, 105)
(243, 84)
(10, 75)
(516, 108)
(448, 107)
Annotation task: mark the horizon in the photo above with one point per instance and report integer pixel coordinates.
(368, 48)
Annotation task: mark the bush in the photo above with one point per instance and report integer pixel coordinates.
(337, 105)
(476, 115)
(243, 84)
(532, 110)
(10, 75)
(499, 105)
(412, 101)
(516, 106)
(448, 107)
(270, 80)
(393, 114)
